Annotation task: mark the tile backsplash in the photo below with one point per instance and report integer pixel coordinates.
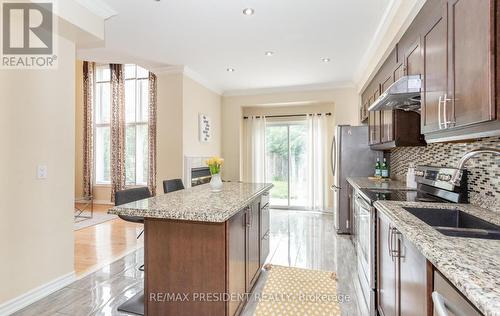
(484, 170)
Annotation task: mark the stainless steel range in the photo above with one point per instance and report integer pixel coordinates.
(434, 184)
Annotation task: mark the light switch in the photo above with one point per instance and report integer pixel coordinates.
(41, 172)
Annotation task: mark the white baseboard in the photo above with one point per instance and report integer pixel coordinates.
(36, 294)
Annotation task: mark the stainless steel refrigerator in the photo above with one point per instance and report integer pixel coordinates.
(351, 157)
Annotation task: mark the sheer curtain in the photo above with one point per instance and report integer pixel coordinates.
(317, 162)
(255, 150)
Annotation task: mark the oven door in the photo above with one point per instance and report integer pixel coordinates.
(363, 246)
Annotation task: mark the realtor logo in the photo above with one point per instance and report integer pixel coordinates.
(28, 35)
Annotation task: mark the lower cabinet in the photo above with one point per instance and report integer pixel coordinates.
(236, 259)
(248, 247)
(253, 244)
(401, 273)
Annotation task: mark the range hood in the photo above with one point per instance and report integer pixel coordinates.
(404, 94)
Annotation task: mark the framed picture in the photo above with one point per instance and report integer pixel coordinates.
(205, 128)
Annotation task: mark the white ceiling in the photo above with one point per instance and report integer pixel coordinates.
(208, 36)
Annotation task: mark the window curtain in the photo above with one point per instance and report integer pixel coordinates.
(117, 129)
(255, 150)
(88, 127)
(317, 162)
(152, 134)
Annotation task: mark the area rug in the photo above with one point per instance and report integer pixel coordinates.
(295, 291)
(97, 218)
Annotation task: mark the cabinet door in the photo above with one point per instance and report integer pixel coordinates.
(413, 59)
(434, 45)
(387, 117)
(386, 269)
(253, 244)
(236, 258)
(371, 123)
(471, 85)
(412, 279)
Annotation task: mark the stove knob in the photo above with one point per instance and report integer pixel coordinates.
(419, 173)
(444, 177)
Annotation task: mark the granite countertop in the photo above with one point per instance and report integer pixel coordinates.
(471, 264)
(367, 183)
(197, 203)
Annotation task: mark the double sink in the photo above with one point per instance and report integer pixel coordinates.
(456, 223)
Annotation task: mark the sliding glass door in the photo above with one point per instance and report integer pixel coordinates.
(286, 163)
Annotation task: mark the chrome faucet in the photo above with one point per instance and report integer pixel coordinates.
(457, 175)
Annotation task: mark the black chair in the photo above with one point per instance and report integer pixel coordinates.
(132, 195)
(172, 185)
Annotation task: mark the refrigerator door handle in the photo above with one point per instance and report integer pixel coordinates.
(335, 188)
(334, 156)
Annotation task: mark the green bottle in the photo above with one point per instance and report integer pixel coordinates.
(385, 169)
(378, 169)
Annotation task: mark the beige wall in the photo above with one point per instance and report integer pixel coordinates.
(344, 103)
(36, 230)
(169, 128)
(198, 99)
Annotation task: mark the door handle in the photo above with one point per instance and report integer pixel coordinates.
(445, 112)
(439, 113)
(389, 241)
(335, 188)
(334, 156)
(442, 306)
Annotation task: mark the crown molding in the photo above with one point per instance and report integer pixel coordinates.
(377, 38)
(98, 7)
(188, 72)
(364, 73)
(167, 70)
(299, 88)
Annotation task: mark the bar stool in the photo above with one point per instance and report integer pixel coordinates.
(172, 185)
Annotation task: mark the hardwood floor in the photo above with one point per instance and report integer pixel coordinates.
(298, 239)
(101, 244)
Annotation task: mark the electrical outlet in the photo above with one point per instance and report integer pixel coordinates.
(41, 172)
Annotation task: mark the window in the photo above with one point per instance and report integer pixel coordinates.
(136, 125)
(136, 118)
(102, 118)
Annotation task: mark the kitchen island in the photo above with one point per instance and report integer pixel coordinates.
(203, 250)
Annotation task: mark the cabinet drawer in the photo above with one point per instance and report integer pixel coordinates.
(264, 221)
(453, 297)
(264, 200)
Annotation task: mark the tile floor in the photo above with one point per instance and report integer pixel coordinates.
(298, 239)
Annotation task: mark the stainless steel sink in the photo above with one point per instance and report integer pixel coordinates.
(456, 223)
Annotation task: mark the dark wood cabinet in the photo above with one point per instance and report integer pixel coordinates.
(471, 54)
(237, 230)
(452, 44)
(459, 69)
(412, 279)
(386, 268)
(401, 273)
(374, 120)
(253, 244)
(387, 117)
(264, 228)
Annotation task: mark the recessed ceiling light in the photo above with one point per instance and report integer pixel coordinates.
(269, 53)
(325, 60)
(248, 11)
(230, 69)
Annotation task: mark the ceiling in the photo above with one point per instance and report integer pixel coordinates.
(209, 36)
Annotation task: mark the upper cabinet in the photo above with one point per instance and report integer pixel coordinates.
(452, 45)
